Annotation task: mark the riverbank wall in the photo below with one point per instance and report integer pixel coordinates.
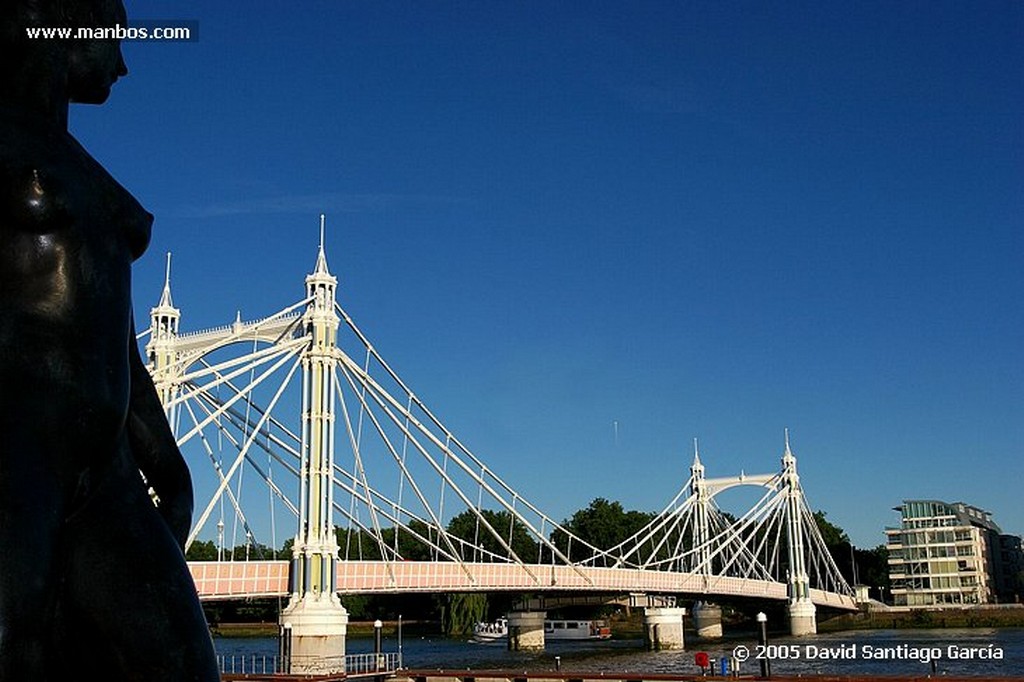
(355, 629)
(984, 616)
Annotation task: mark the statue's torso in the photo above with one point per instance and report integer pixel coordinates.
(68, 235)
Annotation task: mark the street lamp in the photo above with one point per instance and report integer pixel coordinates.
(378, 644)
(766, 667)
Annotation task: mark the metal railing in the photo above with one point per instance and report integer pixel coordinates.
(258, 664)
(351, 664)
(365, 664)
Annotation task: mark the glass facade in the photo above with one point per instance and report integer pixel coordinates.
(941, 554)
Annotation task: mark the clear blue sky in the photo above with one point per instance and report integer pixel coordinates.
(695, 219)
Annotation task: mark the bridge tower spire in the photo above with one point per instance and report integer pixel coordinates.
(314, 623)
(161, 351)
(707, 617)
(801, 609)
(701, 523)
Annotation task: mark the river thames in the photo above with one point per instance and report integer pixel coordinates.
(975, 652)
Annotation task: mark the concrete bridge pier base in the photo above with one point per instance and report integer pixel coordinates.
(802, 620)
(663, 628)
(526, 630)
(313, 636)
(707, 620)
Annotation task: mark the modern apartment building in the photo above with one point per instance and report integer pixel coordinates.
(951, 554)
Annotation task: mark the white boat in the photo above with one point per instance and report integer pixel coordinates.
(576, 630)
(486, 633)
(554, 630)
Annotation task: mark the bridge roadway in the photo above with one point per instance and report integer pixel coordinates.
(245, 579)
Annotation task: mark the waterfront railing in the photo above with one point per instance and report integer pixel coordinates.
(352, 664)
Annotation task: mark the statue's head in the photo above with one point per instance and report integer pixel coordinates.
(95, 65)
(87, 67)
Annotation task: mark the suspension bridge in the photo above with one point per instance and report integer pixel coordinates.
(367, 481)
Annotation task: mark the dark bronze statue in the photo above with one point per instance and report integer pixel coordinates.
(92, 576)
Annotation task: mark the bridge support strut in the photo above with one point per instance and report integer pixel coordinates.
(707, 620)
(526, 630)
(802, 619)
(663, 628)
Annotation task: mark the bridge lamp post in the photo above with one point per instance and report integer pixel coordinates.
(378, 645)
(766, 666)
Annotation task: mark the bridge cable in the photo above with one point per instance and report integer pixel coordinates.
(435, 521)
(245, 434)
(245, 448)
(220, 474)
(336, 387)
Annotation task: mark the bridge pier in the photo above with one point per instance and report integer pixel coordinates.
(663, 628)
(313, 635)
(707, 620)
(802, 619)
(526, 630)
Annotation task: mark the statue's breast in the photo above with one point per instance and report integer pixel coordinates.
(57, 189)
(68, 235)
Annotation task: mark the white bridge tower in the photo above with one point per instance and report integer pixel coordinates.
(802, 620)
(707, 616)
(162, 349)
(314, 624)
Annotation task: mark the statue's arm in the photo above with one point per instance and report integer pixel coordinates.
(155, 451)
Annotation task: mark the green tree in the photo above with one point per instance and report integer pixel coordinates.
(833, 535)
(356, 544)
(873, 568)
(202, 550)
(469, 527)
(408, 543)
(461, 611)
(206, 550)
(359, 606)
(863, 566)
(256, 551)
(361, 545)
(603, 524)
(837, 542)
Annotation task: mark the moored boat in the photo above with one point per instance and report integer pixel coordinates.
(554, 630)
(576, 630)
(487, 633)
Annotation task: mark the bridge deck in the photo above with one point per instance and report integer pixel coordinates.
(233, 580)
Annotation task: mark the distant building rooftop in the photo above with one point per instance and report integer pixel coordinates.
(965, 514)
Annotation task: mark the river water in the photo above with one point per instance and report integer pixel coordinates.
(974, 652)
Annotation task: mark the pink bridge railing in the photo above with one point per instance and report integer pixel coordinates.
(241, 579)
